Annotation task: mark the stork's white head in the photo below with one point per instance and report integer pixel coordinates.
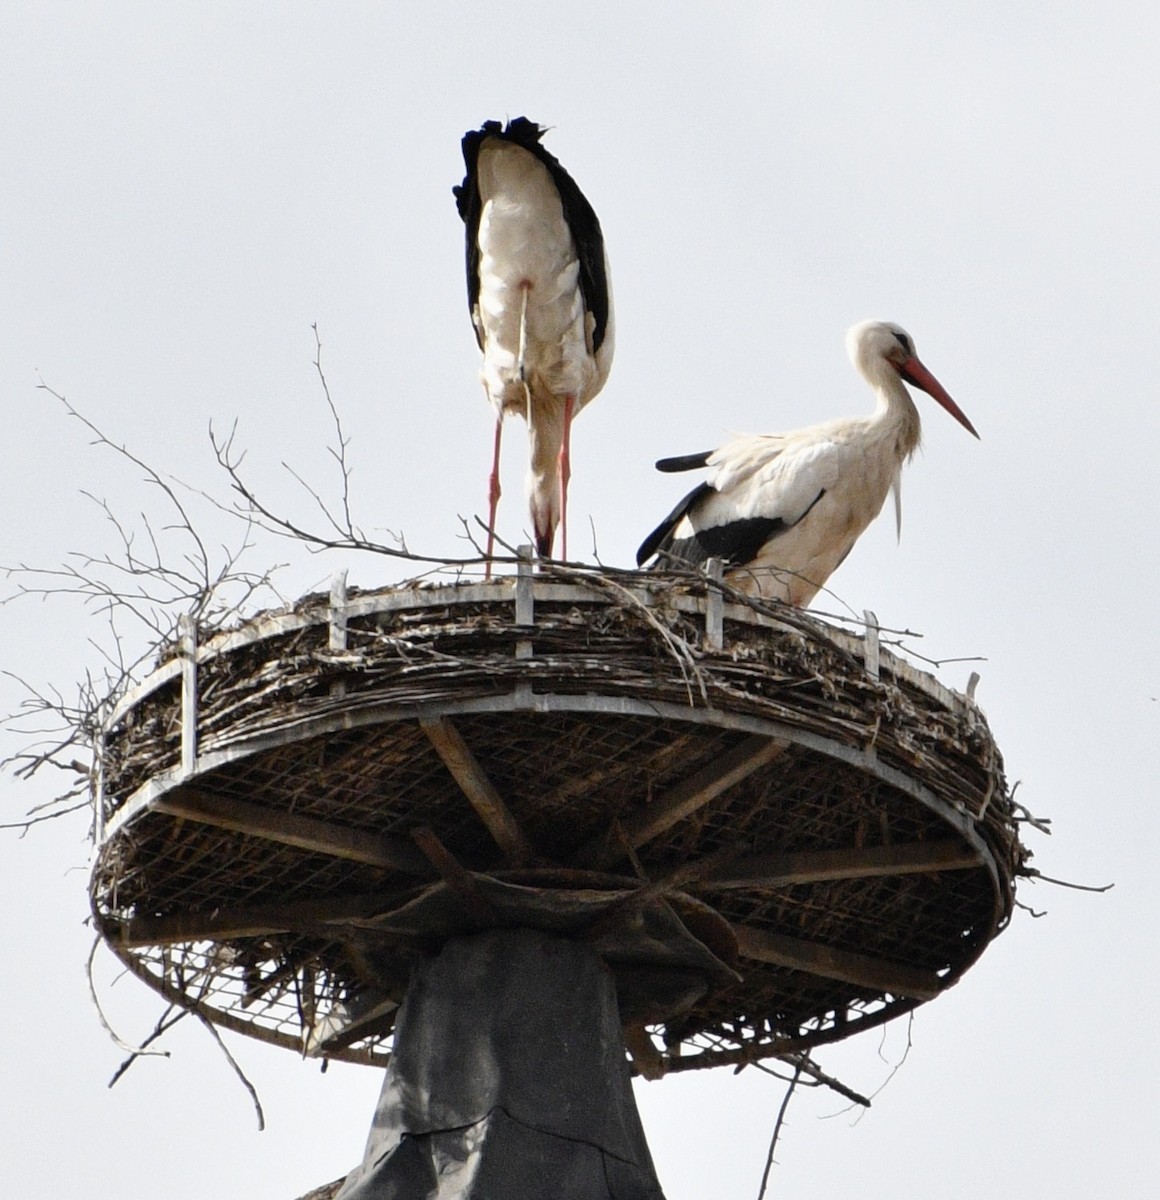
(884, 353)
(870, 344)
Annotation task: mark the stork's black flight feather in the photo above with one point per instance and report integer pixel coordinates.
(684, 462)
(734, 543)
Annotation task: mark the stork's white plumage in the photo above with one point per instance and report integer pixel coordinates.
(537, 289)
(782, 511)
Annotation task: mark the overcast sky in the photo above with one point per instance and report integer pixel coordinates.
(186, 189)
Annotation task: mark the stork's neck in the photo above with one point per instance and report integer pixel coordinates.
(896, 413)
(546, 433)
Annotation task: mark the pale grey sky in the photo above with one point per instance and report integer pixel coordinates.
(187, 188)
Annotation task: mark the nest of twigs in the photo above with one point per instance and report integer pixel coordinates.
(775, 832)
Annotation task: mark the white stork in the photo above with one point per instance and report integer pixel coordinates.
(538, 293)
(783, 510)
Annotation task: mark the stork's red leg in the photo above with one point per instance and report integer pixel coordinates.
(493, 494)
(565, 466)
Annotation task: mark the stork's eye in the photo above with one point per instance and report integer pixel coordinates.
(904, 342)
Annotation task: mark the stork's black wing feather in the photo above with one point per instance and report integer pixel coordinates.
(684, 462)
(578, 213)
(735, 543)
(468, 202)
(662, 536)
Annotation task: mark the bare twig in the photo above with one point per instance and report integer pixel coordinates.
(152, 477)
(156, 570)
(25, 826)
(133, 1051)
(338, 451)
(145, 579)
(249, 507)
(804, 1065)
(789, 1091)
(595, 546)
(164, 1024)
(1024, 816)
(1032, 873)
(217, 1037)
(469, 537)
(893, 1071)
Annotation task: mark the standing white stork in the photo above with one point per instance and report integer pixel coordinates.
(538, 293)
(783, 510)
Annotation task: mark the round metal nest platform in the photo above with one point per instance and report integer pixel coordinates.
(774, 832)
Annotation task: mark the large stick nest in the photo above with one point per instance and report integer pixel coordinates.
(773, 843)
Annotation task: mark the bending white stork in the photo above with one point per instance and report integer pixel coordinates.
(783, 510)
(537, 289)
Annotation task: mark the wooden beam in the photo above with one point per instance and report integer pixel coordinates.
(290, 829)
(661, 759)
(648, 1060)
(817, 866)
(813, 958)
(457, 877)
(685, 798)
(344, 1025)
(479, 790)
(242, 921)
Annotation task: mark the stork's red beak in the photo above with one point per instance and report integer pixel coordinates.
(915, 373)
